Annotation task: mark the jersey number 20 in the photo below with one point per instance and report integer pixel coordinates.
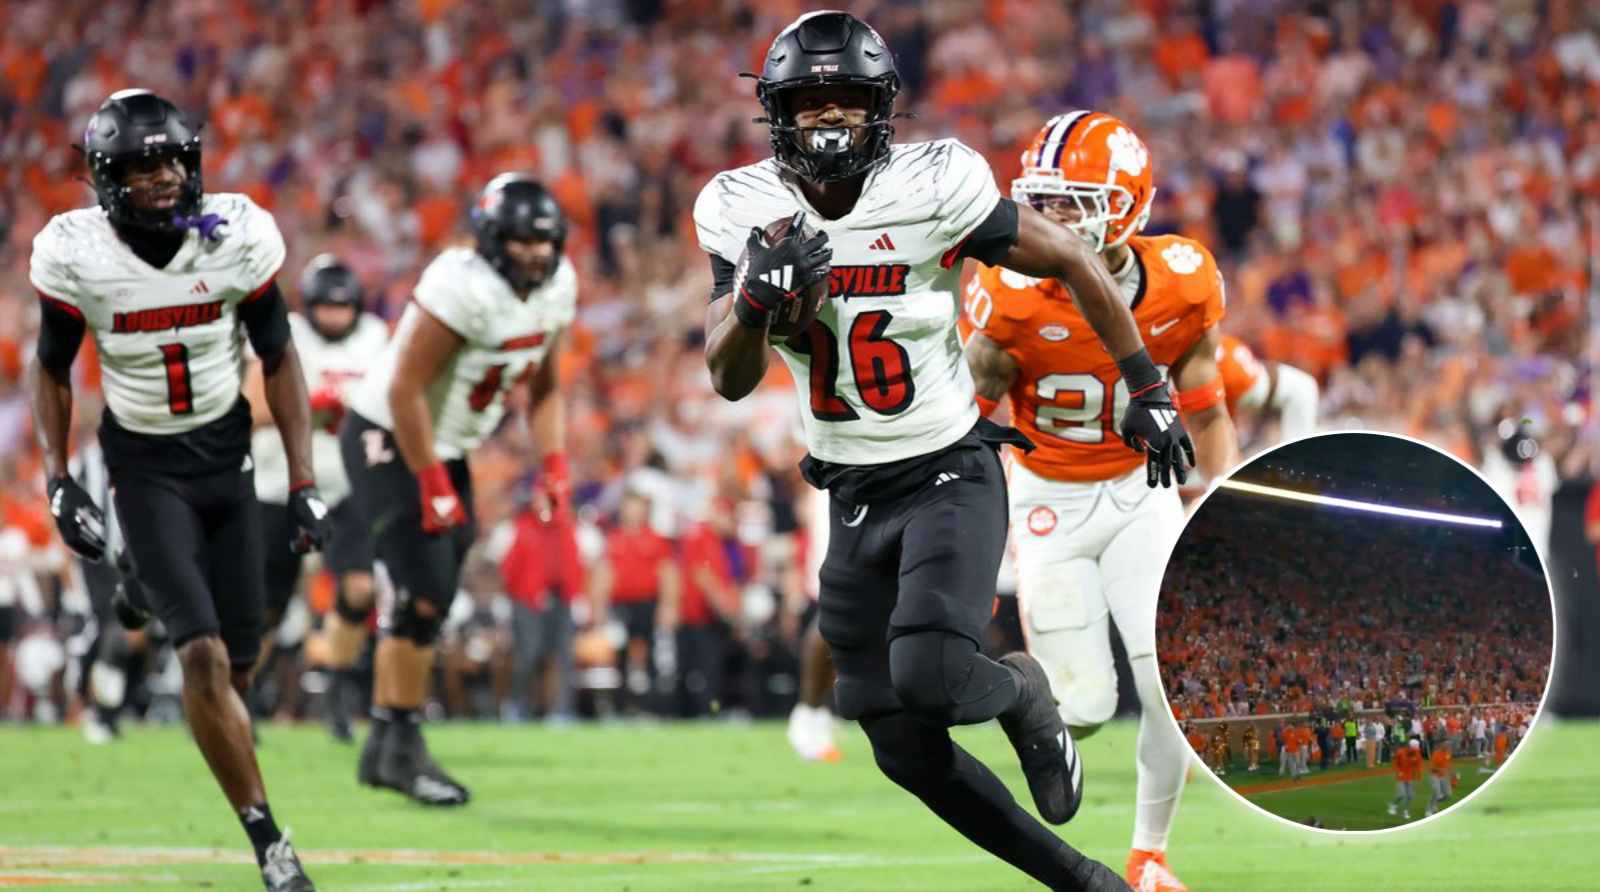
(881, 368)
(1085, 423)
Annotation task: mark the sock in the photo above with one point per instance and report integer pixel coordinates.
(1161, 758)
(262, 830)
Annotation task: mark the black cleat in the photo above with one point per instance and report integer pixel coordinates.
(281, 871)
(372, 754)
(405, 766)
(1092, 876)
(339, 717)
(1049, 760)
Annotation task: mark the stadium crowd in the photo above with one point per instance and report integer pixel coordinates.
(1402, 197)
(1378, 613)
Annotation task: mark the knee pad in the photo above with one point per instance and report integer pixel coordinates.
(345, 606)
(935, 675)
(409, 623)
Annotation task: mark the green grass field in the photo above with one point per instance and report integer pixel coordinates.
(637, 807)
(1344, 798)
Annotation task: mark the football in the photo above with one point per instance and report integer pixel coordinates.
(797, 315)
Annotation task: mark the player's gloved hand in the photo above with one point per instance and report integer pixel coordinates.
(78, 518)
(308, 517)
(779, 272)
(553, 492)
(328, 406)
(441, 507)
(1151, 423)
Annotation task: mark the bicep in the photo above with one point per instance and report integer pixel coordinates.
(426, 344)
(993, 369)
(1198, 366)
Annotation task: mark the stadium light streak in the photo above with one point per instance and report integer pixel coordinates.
(1372, 507)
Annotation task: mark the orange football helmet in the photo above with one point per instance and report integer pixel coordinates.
(1097, 163)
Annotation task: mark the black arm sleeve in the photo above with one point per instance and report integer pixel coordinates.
(60, 335)
(266, 321)
(994, 237)
(721, 277)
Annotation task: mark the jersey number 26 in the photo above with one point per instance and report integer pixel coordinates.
(881, 368)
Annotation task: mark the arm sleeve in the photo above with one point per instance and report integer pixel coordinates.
(994, 237)
(266, 321)
(721, 277)
(60, 334)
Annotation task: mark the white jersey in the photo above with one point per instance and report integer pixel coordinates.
(337, 365)
(170, 343)
(881, 375)
(504, 339)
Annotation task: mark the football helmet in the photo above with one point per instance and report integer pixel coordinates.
(326, 280)
(1099, 165)
(516, 206)
(828, 47)
(136, 124)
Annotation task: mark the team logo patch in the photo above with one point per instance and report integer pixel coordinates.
(1127, 152)
(1055, 333)
(1182, 258)
(1041, 521)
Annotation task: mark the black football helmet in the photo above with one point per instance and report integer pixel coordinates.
(326, 280)
(135, 124)
(828, 47)
(516, 206)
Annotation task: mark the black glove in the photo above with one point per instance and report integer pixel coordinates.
(78, 518)
(308, 517)
(1152, 425)
(779, 272)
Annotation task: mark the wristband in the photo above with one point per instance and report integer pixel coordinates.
(1140, 373)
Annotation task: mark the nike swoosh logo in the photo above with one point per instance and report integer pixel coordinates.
(861, 514)
(1157, 331)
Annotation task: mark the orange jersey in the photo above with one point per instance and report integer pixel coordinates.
(1068, 396)
(1407, 764)
(1239, 367)
(1441, 762)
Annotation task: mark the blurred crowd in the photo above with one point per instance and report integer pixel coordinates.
(1403, 197)
(1380, 614)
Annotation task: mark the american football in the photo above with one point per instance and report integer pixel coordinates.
(794, 316)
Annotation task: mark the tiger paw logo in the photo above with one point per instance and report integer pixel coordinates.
(1041, 520)
(1127, 152)
(1182, 258)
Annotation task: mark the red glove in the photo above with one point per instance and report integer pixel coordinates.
(554, 488)
(441, 507)
(326, 404)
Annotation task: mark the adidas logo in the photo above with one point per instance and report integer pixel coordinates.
(1165, 417)
(945, 477)
(443, 505)
(883, 243)
(782, 277)
(200, 288)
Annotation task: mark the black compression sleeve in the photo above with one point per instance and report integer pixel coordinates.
(994, 237)
(266, 321)
(60, 335)
(721, 277)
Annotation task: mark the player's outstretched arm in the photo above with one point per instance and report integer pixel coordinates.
(993, 370)
(1046, 250)
(1204, 405)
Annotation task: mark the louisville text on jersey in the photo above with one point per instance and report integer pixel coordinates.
(164, 318)
(876, 280)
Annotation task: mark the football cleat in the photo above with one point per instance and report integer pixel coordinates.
(1092, 876)
(281, 871)
(1049, 760)
(371, 752)
(405, 766)
(1148, 872)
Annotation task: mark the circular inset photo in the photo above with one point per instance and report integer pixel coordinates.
(1354, 632)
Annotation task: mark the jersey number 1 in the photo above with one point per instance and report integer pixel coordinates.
(180, 395)
(881, 368)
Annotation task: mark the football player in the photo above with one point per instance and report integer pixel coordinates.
(484, 319)
(917, 494)
(336, 341)
(1277, 386)
(1091, 534)
(164, 276)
